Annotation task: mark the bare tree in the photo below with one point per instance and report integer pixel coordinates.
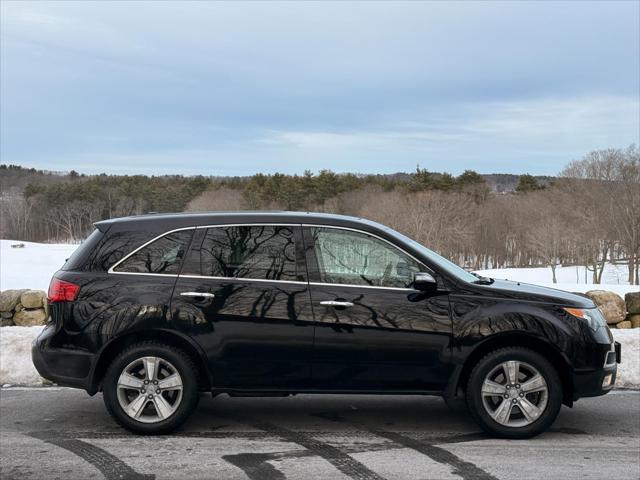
(15, 217)
(611, 180)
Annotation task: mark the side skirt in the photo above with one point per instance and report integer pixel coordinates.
(236, 392)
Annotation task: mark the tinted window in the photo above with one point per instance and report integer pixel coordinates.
(161, 256)
(79, 257)
(355, 258)
(258, 252)
(117, 245)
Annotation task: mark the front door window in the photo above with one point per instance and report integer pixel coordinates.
(355, 258)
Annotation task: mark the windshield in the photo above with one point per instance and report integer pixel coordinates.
(438, 260)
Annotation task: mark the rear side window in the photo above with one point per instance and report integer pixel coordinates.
(265, 252)
(80, 255)
(163, 255)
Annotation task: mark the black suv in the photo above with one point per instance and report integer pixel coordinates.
(152, 310)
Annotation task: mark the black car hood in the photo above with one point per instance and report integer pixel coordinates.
(525, 291)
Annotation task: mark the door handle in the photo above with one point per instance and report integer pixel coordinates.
(336, 303)
(197, 294)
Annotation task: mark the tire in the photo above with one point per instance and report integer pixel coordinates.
(502, 419)
(170, 394)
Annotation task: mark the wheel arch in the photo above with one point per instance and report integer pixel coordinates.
(516, 339)
(169, 337)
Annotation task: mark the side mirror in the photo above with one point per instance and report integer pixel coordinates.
(424, 281)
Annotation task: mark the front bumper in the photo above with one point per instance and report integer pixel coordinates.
(595, 382)
(66, 367)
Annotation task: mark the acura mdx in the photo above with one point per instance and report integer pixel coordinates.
(153, 310)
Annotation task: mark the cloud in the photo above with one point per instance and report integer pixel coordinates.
(44, 28)
(528, 121)
(539, 136)
(248, 87)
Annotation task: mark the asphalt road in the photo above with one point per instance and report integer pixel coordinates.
(56, 433)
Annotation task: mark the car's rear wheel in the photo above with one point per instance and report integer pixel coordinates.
(151, 388)
(514, 393)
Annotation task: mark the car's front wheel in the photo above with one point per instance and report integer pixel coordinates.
(514, 393)
(151, 388)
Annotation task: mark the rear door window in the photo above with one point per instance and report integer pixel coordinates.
(162, 256)
(260, 252)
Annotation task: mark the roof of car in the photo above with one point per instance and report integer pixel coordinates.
(162, 221)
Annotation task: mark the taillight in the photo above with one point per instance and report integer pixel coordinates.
(61, 291)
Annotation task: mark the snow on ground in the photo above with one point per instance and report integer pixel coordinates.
(629, 370)
(16, 367)
(32, 266)
(570, 279)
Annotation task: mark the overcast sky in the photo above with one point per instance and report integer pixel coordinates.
(239, 88)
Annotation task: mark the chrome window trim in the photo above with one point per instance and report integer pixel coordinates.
(404, 289)
(349, 285)
(168, 275)
(262, 280)
(242, 279)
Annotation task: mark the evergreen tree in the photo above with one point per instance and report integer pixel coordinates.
(528, 183)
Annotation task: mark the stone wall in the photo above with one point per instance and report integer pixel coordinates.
(618, 312)
(632, 301)
(23, 308)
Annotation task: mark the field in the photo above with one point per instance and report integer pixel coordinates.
(31, 266)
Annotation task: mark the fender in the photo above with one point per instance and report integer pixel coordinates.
(100, 366)
(481, 325)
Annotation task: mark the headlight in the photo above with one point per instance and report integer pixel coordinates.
(591, 315)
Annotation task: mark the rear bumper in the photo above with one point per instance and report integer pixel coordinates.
(595, 382)
(66, 367)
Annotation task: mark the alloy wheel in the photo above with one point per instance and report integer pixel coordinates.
(514, 394)
(149, 389)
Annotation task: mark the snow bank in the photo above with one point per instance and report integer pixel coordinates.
(629, 370)
(570, 279)
(16, 367)
(32, 266)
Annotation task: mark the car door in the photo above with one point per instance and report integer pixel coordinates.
(243, 293)
(372, 330)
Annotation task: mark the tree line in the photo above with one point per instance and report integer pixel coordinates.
(63, 211)
(588, 215)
